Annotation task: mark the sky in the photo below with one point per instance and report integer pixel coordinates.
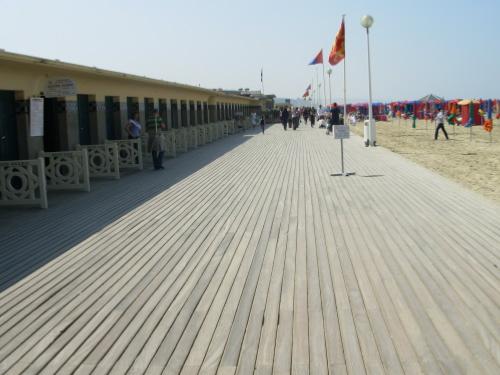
(448, 48)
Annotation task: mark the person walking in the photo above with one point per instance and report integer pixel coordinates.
(134, 127)
(295, 119)
(155, 139)
(440, 117)
(334, 118)
(284, 118)
(312, 117)
(262, 124)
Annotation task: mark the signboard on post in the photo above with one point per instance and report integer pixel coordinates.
(59, 87)
(341, 131)
(36, 117)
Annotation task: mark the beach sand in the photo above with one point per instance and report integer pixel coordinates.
(473, 162)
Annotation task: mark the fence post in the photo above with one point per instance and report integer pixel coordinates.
(42, 182)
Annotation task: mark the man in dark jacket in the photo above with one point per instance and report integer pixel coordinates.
(284, 118)
(334, 118)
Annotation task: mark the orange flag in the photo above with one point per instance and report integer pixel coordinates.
(338, 49)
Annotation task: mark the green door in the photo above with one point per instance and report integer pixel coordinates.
(51, 135)
(8, 130)
(110, 118)
(83, 119)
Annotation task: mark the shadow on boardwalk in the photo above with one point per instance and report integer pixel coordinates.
(31, 237)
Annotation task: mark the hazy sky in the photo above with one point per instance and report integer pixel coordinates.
(449, 48)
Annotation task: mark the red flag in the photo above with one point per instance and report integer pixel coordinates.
(318, 59)
(338, 49)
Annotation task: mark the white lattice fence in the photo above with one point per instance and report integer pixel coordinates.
(144, 143)
(22, 182)
(103, 160)
(207, 132)
(231, 127)
(222, 132)
(226, 128)
(129, 153)
(212, 132)
(217, 130)
(201, 135)
(67, 170)
(181, 141)
(193, 137)
(238, 126)
(170, 149)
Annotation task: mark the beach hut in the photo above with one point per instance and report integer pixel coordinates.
(470, 112)
(428, 105)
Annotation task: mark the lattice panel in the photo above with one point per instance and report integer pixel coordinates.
(208, 139)
(67, 170)
(181, 141)
(129, 153)
(193, 137)
(103, 160)
(170, 147)
(230, 127)
(22, 182)
(201, 134)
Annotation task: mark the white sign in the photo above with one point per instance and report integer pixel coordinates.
(341, 131)
(36, 117)
(58, 87)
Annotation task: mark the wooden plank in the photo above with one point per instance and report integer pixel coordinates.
(247, 256)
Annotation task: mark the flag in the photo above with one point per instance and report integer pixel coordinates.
(318, 59)
(338, 49)
(306, 94)
(308, 87)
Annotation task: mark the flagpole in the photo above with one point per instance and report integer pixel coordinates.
(262, 79)
(345, 86)
(324, 83)
(317, 87)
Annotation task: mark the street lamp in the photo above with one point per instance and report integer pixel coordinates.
(319, 94)
(329, 72)
(371, 137)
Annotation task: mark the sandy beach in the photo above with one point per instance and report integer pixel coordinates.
(473, 161)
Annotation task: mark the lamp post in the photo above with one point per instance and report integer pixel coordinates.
(329, 72)
(367, 22)
(319, 94)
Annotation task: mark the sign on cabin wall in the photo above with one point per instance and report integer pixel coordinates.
(36, 117)
(59, 87)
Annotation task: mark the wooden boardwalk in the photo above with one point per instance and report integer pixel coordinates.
(246, 256)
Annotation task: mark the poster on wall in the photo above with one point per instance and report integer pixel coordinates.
(36, 117)
(60, 87)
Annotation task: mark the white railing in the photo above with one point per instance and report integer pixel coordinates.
(103, 160)
(169, 139)
(129, 153)
(226, 128)
(181, 142)
(232, 129)
(201, 135)
(212, 132)
(219, 129)
(144, 143)
(193, 136)
(67, 170)
(207, 132)
(22, 182)
(239, 126)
